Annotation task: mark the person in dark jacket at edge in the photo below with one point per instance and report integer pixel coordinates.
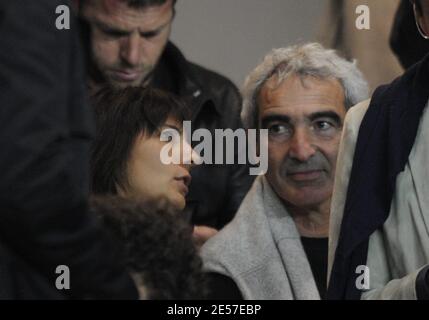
(405, 40)
(129, 41)
(379, 231)
(45, 134)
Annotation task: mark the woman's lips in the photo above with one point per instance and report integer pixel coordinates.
(183, 188)
(183, 182)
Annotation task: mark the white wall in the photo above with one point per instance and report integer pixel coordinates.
(232, 36)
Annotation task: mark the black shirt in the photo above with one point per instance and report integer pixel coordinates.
(316, 250)
(222, 287)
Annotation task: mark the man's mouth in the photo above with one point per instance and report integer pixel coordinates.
(305, 175)
(127, 75)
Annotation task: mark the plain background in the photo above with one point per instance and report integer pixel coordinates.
(232, 36)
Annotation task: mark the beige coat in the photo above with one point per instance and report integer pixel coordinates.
(261, 250)
(400, 248)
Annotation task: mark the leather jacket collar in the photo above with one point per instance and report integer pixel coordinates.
(188, 84)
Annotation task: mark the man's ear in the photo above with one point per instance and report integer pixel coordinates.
(421, 23)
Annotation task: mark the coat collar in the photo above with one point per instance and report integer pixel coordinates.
(262, 231)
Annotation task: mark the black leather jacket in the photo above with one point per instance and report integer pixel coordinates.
(45, 133)
(216, 191)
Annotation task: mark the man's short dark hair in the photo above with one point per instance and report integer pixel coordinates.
(135, 3)
(157, 248)
(146, 3)
(121, 116)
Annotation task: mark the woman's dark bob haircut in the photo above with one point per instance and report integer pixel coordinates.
(121, 116)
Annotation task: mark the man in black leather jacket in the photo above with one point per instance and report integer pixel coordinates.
(129, 46)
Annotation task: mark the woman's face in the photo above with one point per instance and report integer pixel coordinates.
(161, 186)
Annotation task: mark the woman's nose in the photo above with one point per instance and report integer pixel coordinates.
(190, 157)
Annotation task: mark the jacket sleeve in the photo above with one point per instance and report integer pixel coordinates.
(383, 285)
(45, 135)
(410, 287)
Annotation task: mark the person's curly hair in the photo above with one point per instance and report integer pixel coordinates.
(158, 248)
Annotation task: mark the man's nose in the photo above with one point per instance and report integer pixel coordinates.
(131, 50)
(301, 146)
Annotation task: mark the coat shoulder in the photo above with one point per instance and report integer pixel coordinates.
(210, 78)
(243, 245)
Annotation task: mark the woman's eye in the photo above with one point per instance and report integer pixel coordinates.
(168, 135)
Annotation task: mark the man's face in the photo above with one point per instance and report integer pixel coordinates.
(304, 119)
(126, 42)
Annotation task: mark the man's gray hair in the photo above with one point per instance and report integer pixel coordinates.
(302, 60)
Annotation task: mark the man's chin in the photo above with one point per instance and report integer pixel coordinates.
(306, 198)
(125, 84)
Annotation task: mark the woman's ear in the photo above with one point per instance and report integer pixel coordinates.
(120, 190)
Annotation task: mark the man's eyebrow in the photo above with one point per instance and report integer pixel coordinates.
(275, 117)
(154, 32)
(149, 33)
(106, 27)
(326, 114)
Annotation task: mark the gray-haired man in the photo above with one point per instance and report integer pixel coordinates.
(276, 247)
